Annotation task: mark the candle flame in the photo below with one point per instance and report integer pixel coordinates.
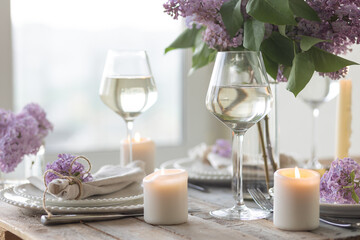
(297, 172)
(137, 137)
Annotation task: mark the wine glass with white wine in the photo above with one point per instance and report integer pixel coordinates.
(317, 92)
(128, 88)
(239, 96)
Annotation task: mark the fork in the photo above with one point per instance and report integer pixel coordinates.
(266, 204)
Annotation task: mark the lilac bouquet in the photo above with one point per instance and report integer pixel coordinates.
(341, 183)
(62, 166)
(222, 147)
(296, 37)
(21, 134)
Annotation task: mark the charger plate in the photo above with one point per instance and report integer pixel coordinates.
(9, 196)
(340, 210)
(29, 191)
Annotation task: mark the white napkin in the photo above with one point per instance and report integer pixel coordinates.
(107, 180)
(218, 162)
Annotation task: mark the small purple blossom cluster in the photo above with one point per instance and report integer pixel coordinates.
(206, 13)
(222, 147)
(339, 176)
(21, 134)
(62, 166)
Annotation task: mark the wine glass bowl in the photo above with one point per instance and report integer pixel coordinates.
(239, 96)
(127, 87)
(319, 90)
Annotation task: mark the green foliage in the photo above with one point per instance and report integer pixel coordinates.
(301, 9)
(271, 11)
(254, 31)
(301, 72)
(307, 42)
(185, 40)
(353, 184)
(328, 62)
(279, 49)
(232, 17)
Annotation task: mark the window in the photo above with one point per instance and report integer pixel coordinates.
(59, 50)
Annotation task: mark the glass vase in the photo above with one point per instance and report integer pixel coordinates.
(35, 163)
(262, 137)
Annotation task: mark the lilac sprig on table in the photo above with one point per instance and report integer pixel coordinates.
(341, 183)
(62, 166)
(21, 134)
(222, 147)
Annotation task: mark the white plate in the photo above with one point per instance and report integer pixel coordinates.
(9, 196)
(193, 176)
(28, 191)
(200, 168)
(340, 210)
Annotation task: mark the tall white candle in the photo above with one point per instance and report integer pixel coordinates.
(343, 125)
(165, 197)
(296, 199)
(143, 149)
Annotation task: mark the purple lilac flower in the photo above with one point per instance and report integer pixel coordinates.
(21, 134)
(206, 13)
(62, 166)
(222, 147)
(333, 181)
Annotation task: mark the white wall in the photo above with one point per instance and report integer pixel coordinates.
(295, 119)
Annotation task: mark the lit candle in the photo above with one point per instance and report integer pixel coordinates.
(296, 199)
(165, 197)
(343, 130)
(143, 149)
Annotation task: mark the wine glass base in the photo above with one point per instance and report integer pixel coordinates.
(240, 213)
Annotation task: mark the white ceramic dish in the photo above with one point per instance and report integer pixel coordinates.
(200, 168)
(340, 210)
(9, 196)
(28, 191)
(195, 176)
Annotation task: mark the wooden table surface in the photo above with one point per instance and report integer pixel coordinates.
(25, 224)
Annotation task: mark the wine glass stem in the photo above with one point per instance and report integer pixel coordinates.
(314, 139)
(237, 184)
(129, 125)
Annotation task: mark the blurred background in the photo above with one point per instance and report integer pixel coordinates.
(53, 53)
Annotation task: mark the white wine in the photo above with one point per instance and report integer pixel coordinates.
(128, 95)
(240, 107)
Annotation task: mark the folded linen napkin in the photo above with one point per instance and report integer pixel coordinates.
(107, 180)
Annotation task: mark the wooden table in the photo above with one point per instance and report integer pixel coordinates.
(25, 224)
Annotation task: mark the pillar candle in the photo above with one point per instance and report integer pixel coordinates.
(296, 199)
(343, 125)
(143, 149)
(165, 197)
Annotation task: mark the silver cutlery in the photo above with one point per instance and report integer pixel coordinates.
(198, 187)
(75, 218)
(72, 218)
(266, 204)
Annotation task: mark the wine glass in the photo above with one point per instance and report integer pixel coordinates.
(239, 96)
(319, 90)
(127, 87)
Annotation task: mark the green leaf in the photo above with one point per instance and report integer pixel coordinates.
(327, 62)
(354, 196)
(286, 72)
(301, 73)
(307, 42)
(279, 49)
(352, 175)
(254, 32)
(282, 30)
(202, 54)
(271, 67)
(231, 15)
(271, 11)
(301, 9)
(185, 40)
